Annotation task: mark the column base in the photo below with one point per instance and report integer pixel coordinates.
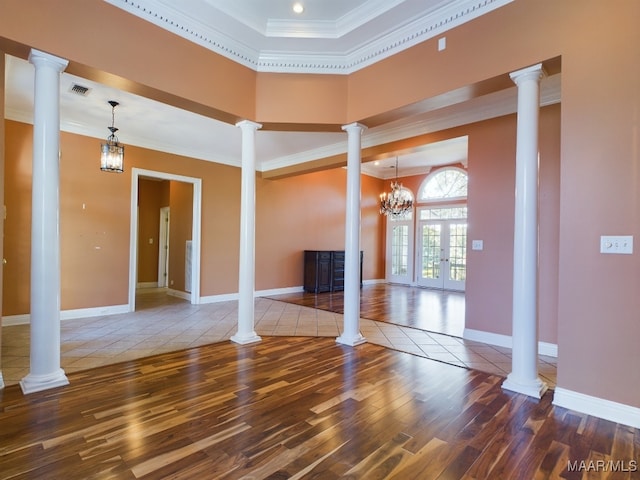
(350, 340)
(1, 381)
(534, 388)
(245, 339)
(36, 383)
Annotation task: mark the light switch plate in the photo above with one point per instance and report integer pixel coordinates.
(620, 244)
(477, 244)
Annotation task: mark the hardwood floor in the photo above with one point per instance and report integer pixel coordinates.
(425, 309)
(295, 407)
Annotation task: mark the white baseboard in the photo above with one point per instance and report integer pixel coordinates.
(9, 320)
(147, 285)
(227, 297)
(597, 407)
(179, 294)
(544, 348)
(69, 314)
(278, 291)
(93, 312)
(117, 309)
(374, 281)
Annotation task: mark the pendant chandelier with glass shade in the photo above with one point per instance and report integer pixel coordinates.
(112, 152)
(398, 202)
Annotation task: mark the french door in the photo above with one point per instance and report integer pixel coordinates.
(442, 247)
(400, 250)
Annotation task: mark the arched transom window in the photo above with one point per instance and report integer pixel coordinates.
(445, 184)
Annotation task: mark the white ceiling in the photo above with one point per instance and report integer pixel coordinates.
(150, 124)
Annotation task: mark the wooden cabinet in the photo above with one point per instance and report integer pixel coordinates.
(324, 270)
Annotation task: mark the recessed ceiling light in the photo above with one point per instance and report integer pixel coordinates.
(298, 7)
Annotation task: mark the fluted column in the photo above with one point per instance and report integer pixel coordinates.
(524, 370)
(246, 286)
(45, 371)
(351, 330)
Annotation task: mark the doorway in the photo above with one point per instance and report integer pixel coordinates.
(136, 173)
(442, 247)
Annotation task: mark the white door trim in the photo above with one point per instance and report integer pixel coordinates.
(136, 173)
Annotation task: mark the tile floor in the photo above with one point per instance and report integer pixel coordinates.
(163, 324)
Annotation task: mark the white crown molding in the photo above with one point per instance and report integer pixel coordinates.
(422, 28)
(189, 28)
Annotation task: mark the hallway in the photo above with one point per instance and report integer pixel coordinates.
(163, 323)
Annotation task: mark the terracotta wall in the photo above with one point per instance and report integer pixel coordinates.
(491, 219)
(600, 178)
(2, 149)
(293, 214)
(599, 174)
(18, 153)
(199, 80)
(151, 195)
(308, 213)
(284, 98)
(180, 229)
(491, 170)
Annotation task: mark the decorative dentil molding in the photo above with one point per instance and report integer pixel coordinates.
(423, 27)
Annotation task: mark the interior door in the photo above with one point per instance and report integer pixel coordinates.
(442, 251)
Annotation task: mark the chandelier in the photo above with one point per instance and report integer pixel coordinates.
(112, 152)
(398, 202)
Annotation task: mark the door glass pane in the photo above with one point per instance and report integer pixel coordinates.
(443, 213)
(399, 249)
(458, 251)
(431, 251)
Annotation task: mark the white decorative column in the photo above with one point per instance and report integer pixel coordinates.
(45, 371)
(2, 179)
(246, 284)
(524, 370)
(351, 330)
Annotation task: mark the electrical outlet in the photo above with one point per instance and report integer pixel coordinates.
(621, 244)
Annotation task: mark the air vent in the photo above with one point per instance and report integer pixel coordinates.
(79, 89)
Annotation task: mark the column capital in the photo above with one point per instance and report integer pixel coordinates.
(352, 127)
(248, 125)
(534, 72)
(38, 58)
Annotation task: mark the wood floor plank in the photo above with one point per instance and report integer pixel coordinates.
(425, 309)
(298, 408)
